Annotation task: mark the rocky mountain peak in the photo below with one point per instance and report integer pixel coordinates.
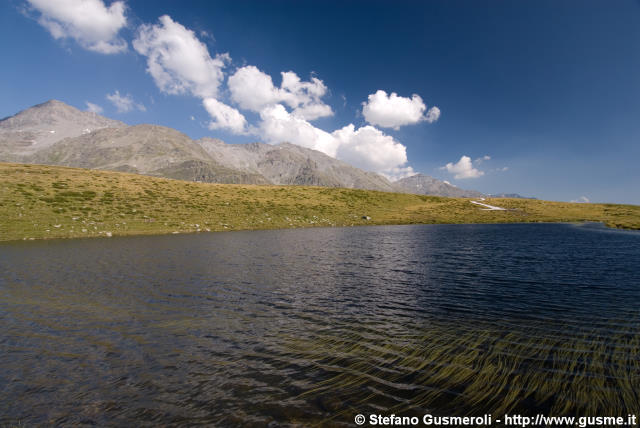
(44, 124)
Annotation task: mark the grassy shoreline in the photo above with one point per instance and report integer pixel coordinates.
(41, 202)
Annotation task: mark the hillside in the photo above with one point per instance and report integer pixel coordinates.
(54, 133)
(143, 149)
(39, 202)
(290, 164)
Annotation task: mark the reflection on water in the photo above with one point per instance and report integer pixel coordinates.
(316, 325)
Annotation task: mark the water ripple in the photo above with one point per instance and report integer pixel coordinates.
(310, 327)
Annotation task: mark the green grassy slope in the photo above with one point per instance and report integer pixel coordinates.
(38, 201)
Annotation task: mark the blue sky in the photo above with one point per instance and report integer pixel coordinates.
(541, 98)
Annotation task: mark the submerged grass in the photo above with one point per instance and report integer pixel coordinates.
(486, 370)
(38, 201)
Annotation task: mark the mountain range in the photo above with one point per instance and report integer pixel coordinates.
(54, 133)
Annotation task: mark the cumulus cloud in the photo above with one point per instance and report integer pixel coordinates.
(370, 149)
(89, 22)
(367, 147)
(393, 111)
(178, 62)
(432, 115)
(254, 90)
(181, 64)
(224, 116)
(463, 169)
(124, 103)
(278, 125)
(93, 108)
(305, 97)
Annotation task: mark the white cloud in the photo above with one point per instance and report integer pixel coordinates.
(278, 125)
(90, 22)
(393, 111)
(181, 64)
(482, 159)
(305, 97)
(367, 147)
(254, 90)
(581, 200)
(93, 108)
(178, 62)
(124, 103)
(224, 116)
(370, 149)
(313, 111)
(432, 115)
(463, 169)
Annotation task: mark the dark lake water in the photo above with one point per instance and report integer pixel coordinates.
(313, 326)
